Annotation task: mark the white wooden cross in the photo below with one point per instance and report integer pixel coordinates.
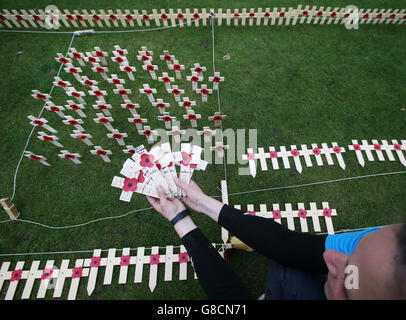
(198, 69)
(192, 117)
(114, 79)
(122, 92)
(167, 119)
(176, 133)
(159, 103)
(91, 59)
(144, 49)
(167, 58)
(176, 92)
(101, 55)
(57, 109)
(71, 92)
(103, 107)
(74, 122)
(129, 71)
(101, 70)
(115, 134)
(78, 56)
(166, 80)
(104, 120)
(130, 106)
(121, 60)
(76, 107)
(52, 139)
(36, 157)
(98, 150)
(217, 118)
(65, 154)
(148, 91)
(85, 137)
(118, 50)
(98, 93)
(129, 149)
(151, 68)
(186, 103)
(61, 83)
(216, 79)
(207, 133)
(146, 131)
(204, 92)
(219, 148)
(41, 122)
(194, 78)
(61, 58)
(177, 68)
(87, 82)
(144, 57)
(42, 96)
(138, 121)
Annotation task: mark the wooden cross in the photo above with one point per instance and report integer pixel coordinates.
(161, 105)
(146, 51)
(74, 122)
(148, 91)
(130, 106)
(219, 148)
(151, 68)
(166, 80)
(76, 107)
(192, 117)
(115, 134)
(91, 58)
(71, 92)
(52, 139)
(57, 109)
(102, 153)
(114, 79)
(41, 122)
(101, 55)
(138, 121)
(198, 69)
(204, 92)
(148, 133)
(175, 133)
(104, 120)
(144, 57)
(121, 52)
(36, 157)
(167, 119)
(75, 71)
(122, 92)
(176, 92)
(217, 117)
(78, 56)
(216, 79)
(129, 71)
(85, 137)
(167, 58)
(60, 83)
(86, 81)
(177, 68)
(101, 70)
(121, 60)
(61, 58)
(194, 78)
(103, 107)
(65, 154)
(129, 149)
(207, 133)
(42, 96)
(186, 102)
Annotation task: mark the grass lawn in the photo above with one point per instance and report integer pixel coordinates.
(298, 85)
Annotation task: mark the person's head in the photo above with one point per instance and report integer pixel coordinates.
(375, 270)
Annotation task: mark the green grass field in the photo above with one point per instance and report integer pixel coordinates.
(298, 85)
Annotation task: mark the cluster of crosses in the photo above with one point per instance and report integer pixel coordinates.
(98, 61)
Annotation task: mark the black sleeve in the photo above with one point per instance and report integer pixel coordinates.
(215, 276)
(290, 248)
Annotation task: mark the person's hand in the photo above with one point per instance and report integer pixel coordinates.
(195, 197)
(167, 207)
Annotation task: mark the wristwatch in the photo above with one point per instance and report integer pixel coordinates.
(180, 216)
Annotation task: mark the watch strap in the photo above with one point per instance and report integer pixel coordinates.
(180, 216)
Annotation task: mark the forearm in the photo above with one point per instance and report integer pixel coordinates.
(210, 207)
(184, 226)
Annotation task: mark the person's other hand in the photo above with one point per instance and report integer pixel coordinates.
(167, 207)
(195, 197)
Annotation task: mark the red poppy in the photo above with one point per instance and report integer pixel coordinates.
(145, 17)
(137, 121)
(180, 16)
(377, 147)
(125, 260)
(186, 158)
(62, 84)
(35, 158)
(295, 152)
(89, 83)
(166, 119)
(38, 122)
(144, 58)
(82, 137)
(101, 152)
(316, 151)
(119, 60)
(319, 14)
(252, 15)
(47, 273)
(100, 70)
(337, 149)
(187, 103)
(74, 107)
(117, 136)
(276, 214)
(194, 79)
(150, 67)
(116, 81)
(392, 16)
(167, 58)
(46, 138)
(216, 118)
(91, 59)
(141, 177)
(95, 262)
(176, 67)
(175, 91)
(16, 275)
(77, 272)
(236, 16)
(147, 133)
(251, 213)
(98, 93)
(164, 16)
(129, 17)
(76, 55)
(96, 17)
(196, 16)
(56, 109)
(357, 147)
(192, 117)
(102, 107)
(63, 60)
(147, 91)
(397, 146)
(305, 13)
(73, 122)
(147, 160)
(130, 106)
(75, 94)
(327, 212)
(216, 79)
(69, 156)
(302, 213)
(333, 15)
(198, 70)
(122, 92)
(365, 16)
(273, 154)
(282, 14)
(346, 15)
(251, 156)
(183, 257)
(112, 17)
(41, 96)
(267, 15)
(128, 69)
(104, 120)
(70, 17)
(379, 16)
(166, 79)
(204, 91)
(154, 259)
